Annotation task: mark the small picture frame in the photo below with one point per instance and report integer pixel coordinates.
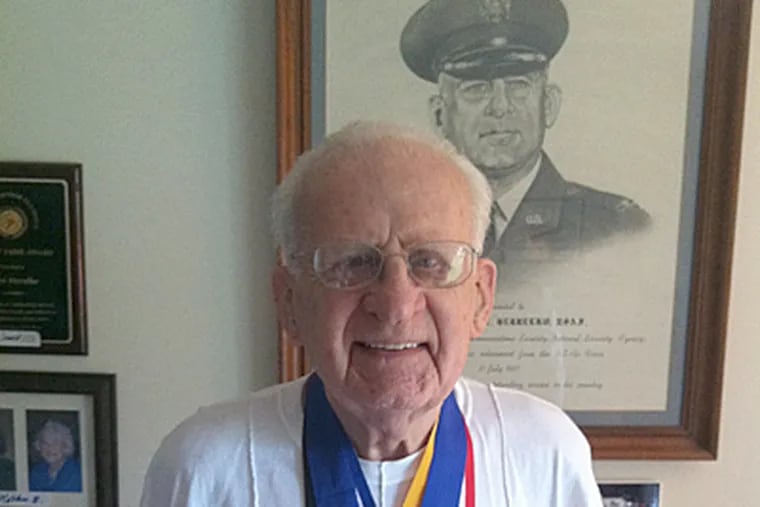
(58, 439)
(630, 494)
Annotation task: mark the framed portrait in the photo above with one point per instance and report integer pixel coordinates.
(610, 135)
(58, 439)
(629, 494)
(42, 286)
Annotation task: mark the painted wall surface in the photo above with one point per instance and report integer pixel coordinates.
(170, 108)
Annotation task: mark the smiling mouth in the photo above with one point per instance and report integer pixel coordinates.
(393, 347)
(499, 136)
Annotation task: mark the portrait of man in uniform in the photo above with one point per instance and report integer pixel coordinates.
(495, 102)
(579, 114)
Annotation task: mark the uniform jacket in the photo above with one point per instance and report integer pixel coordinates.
(558, 219)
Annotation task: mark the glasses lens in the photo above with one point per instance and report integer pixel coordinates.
(345, 266)
(441, 264)
(475, 90)
(519, 88)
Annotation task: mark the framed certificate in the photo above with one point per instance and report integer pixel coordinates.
(613, 306)
(42, 286)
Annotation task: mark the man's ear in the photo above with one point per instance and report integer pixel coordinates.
(282, 290)
(437, 114)
(485, 292)
(552, 104)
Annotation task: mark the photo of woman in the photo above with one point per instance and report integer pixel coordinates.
(54, 461)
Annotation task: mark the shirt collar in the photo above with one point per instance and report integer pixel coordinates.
(506, 205)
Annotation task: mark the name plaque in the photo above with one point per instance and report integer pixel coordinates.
(42, 303)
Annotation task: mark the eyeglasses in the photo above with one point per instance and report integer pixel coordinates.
(433, 265)
(518, 88)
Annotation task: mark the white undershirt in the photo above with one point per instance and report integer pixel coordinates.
(388, 481)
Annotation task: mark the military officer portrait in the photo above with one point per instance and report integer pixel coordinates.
(495, 102)
(576, 112)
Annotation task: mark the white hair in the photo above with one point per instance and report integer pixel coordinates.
(363, 133)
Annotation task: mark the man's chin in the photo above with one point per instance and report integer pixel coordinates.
(499, 170)
(492, 158)
(396, 395)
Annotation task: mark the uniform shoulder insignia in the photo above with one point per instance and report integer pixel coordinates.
(630, 215)
(625, 204)
(599, 198)
(608, 210)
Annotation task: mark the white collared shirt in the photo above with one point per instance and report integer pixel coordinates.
(507, 203)
(248, 453)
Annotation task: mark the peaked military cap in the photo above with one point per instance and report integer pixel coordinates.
(483, 39)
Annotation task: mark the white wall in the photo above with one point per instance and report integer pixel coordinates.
(170, 108)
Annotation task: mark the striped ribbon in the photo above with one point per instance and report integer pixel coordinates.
(333, 476)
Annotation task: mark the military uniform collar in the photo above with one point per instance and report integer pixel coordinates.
(506, 205)
(541, 208)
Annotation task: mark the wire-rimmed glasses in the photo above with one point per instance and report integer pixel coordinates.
(432, 265)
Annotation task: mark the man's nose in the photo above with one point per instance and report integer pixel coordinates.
(394, 297)
(500, 102)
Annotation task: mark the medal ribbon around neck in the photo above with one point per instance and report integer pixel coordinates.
(333, 476)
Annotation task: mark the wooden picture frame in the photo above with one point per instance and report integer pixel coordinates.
(695, 436)
(83, 402)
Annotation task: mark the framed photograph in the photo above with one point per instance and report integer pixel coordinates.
(58, 439)
(611, 138)
(624, 494)
(42, 286)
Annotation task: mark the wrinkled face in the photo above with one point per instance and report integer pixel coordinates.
(393, 200)
(499, 124)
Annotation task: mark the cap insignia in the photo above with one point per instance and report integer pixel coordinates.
(495, 11)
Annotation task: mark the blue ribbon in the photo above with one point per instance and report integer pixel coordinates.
(332, 473)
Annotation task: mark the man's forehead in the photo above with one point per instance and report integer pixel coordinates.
(376, 184)
(389, 161)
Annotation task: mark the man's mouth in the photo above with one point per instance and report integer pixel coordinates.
(393, 347)
(499, 136)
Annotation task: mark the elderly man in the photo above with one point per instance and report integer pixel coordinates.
(490, 60)
(383, 284)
